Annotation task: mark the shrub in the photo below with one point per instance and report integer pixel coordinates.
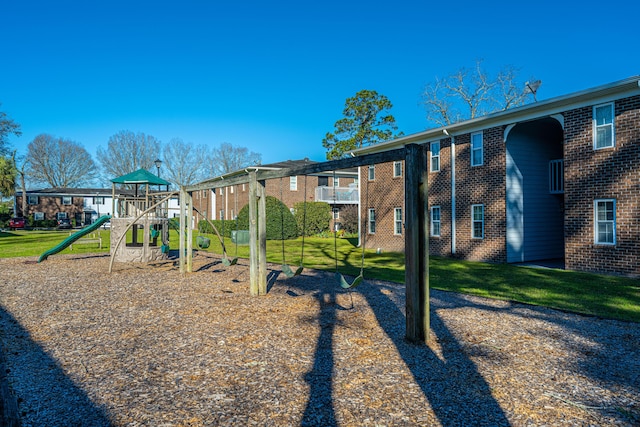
(312, 217)
(225, 227)
(280, 221)
(349, 218)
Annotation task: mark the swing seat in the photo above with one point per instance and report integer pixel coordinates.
(345, 284)
(203, 242)
(227, 262)
(286, 270)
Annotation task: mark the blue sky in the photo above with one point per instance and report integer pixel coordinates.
(273, 76)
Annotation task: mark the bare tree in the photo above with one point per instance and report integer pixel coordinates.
(185, 163)
(227, 158)
(127, 152)
(471, 93)
(59, 162)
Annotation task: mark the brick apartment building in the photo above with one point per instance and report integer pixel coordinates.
(556, 179)
(338, 191)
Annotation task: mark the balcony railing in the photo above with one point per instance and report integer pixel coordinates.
(337, 195)
(556, 176)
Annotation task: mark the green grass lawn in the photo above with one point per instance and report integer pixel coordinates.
(605, 296)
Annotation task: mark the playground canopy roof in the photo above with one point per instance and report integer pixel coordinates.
(141, 176)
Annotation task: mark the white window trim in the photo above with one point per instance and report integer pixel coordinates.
(433, 221)
(371, 219)
(38, 216)
(397, 165)
(336, 181)
(30, 198)
(432, 157)
(70, 200)
(473, 221)
(371, 173)
(397, 222)
(481, 149)
(336, 213)
(612, 124)
(596, 222)
(293, 183)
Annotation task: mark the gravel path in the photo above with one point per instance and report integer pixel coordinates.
(146, 346)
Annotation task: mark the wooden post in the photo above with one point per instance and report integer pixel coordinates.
(253, 235)
(416, 244)
(189, 218)
(262, 239)
(183, 218)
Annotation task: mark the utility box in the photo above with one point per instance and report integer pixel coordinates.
(240, 237)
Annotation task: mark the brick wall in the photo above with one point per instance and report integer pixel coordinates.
(440, 195)
(603, 174)
(384, 194)
(50, 206)
(484, 185)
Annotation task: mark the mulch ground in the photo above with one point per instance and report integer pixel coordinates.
(147, 346)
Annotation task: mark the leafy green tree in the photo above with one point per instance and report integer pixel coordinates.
(8, 173)
(281, 223)
(365, 122)
(312, 217)
(7, 127)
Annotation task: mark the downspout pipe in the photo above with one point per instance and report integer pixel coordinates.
(453, 191)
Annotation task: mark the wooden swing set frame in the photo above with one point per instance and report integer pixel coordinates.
(416, 224)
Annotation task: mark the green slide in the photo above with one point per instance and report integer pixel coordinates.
(75, 236)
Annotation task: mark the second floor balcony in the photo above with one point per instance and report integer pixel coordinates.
(337, 195)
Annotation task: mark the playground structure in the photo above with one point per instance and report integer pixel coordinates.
(416, 224)
(140, 228)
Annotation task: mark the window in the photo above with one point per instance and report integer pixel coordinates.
(244, 188)
(435, 156)
(98, 200)
(221, 214)
(38, 216)
(397, 169)
(372, 172)
(336, 213)
(372, 221)
(293, 183)
(231, 189)
(66, 200)
(477, 221)
(397, 221)
(435, 221)
(603, 126)
(605, 221)
(336, 182)
(32, 200)
(476, 149)
(61, 215)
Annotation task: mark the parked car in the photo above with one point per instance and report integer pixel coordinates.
(64, 223)
(17, 223)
